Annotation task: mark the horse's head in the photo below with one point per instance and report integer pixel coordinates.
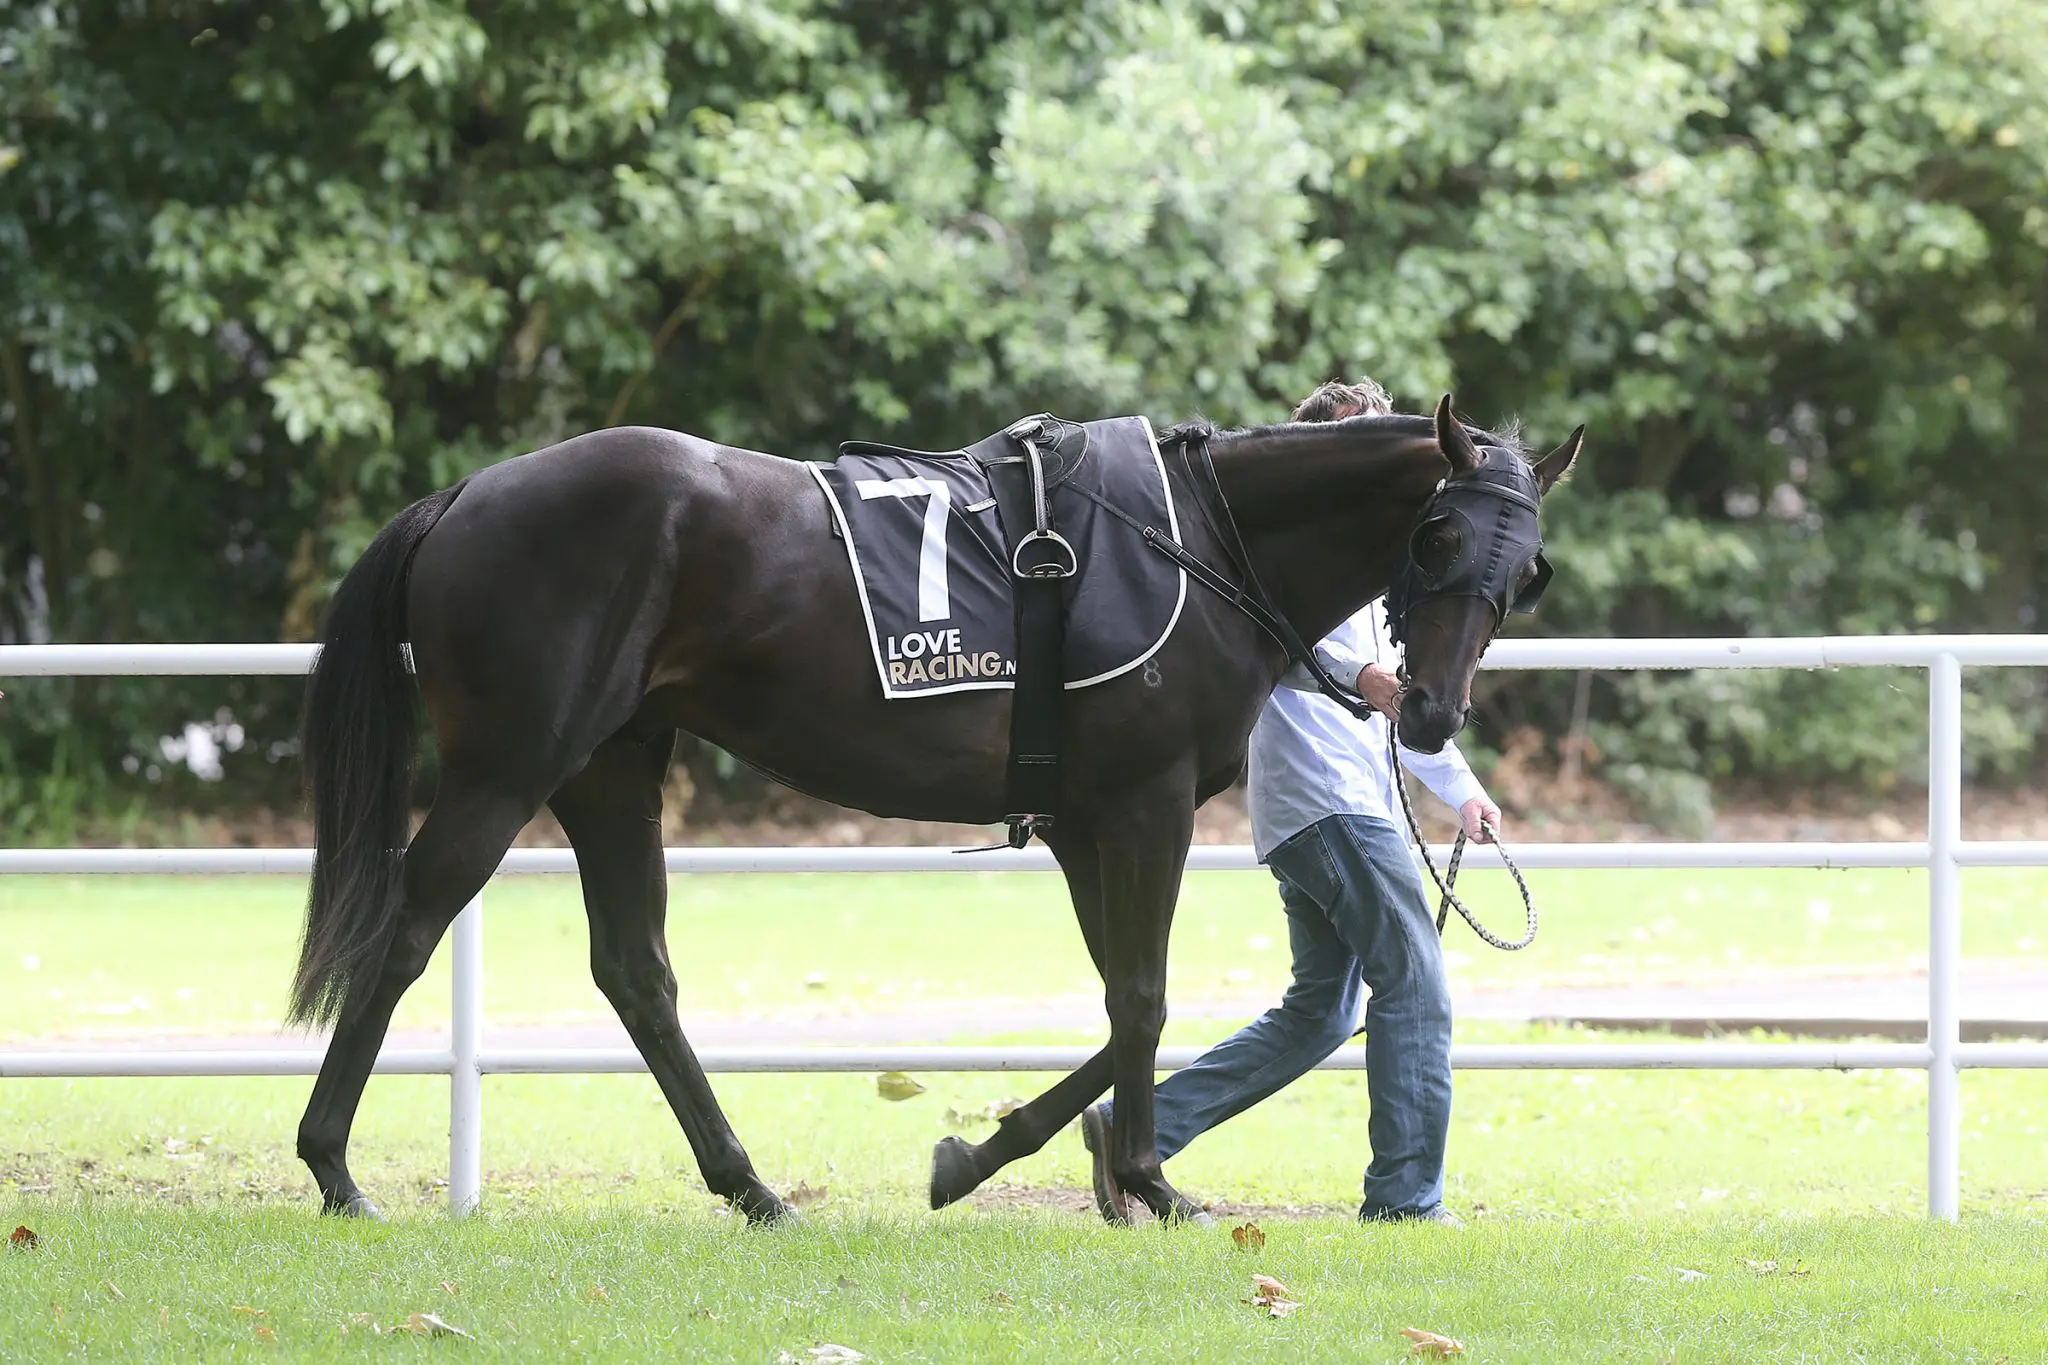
(1475, 555)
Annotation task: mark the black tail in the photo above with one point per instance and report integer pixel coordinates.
(358, 741)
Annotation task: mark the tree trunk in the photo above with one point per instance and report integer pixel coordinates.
(48, 524)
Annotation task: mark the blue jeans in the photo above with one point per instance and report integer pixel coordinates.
(1357, 916)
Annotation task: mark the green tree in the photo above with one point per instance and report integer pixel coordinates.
(266, 274)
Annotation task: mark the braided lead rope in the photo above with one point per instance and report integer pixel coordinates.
(1451, 901)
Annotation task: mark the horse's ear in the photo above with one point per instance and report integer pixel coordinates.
(1455, 441)
(1558, 463)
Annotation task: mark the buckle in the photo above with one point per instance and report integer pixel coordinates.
(1022, 827)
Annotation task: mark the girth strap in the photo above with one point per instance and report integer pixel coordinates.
(1040, 562)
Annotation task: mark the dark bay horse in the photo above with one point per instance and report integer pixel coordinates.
(571, 610)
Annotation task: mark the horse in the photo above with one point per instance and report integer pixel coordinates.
(565, 613)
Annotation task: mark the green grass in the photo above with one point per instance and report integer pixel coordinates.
(123, 954)
(1589, 1192)
(628, 1284)
(1523, 1144)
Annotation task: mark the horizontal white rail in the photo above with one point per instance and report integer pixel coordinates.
(298, 862)
(1816, 651)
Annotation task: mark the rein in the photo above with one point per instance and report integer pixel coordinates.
(1446, 881)
(1258, 605)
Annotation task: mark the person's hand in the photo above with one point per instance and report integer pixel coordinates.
(1381, 688)
(1475, 815)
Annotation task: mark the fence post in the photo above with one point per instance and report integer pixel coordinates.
(1944, 936)
(465, 1080)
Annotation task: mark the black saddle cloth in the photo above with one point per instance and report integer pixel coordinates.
(930, 560)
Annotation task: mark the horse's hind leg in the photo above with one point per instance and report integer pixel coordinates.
(611, 812)
(453, 855)
(958, 1168)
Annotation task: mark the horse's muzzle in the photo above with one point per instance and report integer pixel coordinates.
(1428, 723)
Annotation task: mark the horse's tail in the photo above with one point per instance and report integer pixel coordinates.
(358, 739)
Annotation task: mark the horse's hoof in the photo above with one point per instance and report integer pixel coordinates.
(356, 1205)
(764, 1210)
(953, 1175)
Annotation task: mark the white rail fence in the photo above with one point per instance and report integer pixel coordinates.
(467, 1060)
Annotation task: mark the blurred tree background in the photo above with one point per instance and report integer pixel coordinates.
(269, 271)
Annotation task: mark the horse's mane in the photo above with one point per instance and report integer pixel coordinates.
(1507, 436)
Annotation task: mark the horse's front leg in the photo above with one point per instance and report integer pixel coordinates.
(959, 1167)
(1141, 856)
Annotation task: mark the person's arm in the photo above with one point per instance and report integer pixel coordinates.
(1453, 782)
(1338, 657)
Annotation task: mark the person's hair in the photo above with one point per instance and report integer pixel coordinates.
(1337, 399)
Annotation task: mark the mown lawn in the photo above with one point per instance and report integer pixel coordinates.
(1628, 1216)
(194, 955)
(114, 1281)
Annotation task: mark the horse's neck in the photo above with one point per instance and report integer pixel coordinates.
(1325, 509)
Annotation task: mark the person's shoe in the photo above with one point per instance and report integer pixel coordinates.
(1438, 1215)
(1098, 1136)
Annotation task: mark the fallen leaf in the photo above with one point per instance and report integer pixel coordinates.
(806, 1194)
(265, 1334)
(1761, 1267)
(1431, 1344)
(431, 1325)
(1689, 1276)
(21, 1239)
(451, 1289)
(113, 1291)
(1270, 1297)
(826, 1353)
(596, 1294)
(252, 1312)
(1248, 1236)
(163, 1318)
(58, 1309)
(894, 1085)
(1000, 1299)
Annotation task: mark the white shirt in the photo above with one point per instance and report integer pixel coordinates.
(1310, 758)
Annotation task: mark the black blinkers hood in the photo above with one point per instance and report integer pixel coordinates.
(1493, 511)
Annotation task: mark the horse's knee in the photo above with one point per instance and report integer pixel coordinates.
(643, 993)
(1139, 1007)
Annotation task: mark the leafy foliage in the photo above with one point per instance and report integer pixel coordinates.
(268, 273)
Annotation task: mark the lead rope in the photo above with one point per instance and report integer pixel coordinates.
(1444, 884)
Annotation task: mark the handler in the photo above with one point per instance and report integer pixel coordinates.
(1323, 810)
